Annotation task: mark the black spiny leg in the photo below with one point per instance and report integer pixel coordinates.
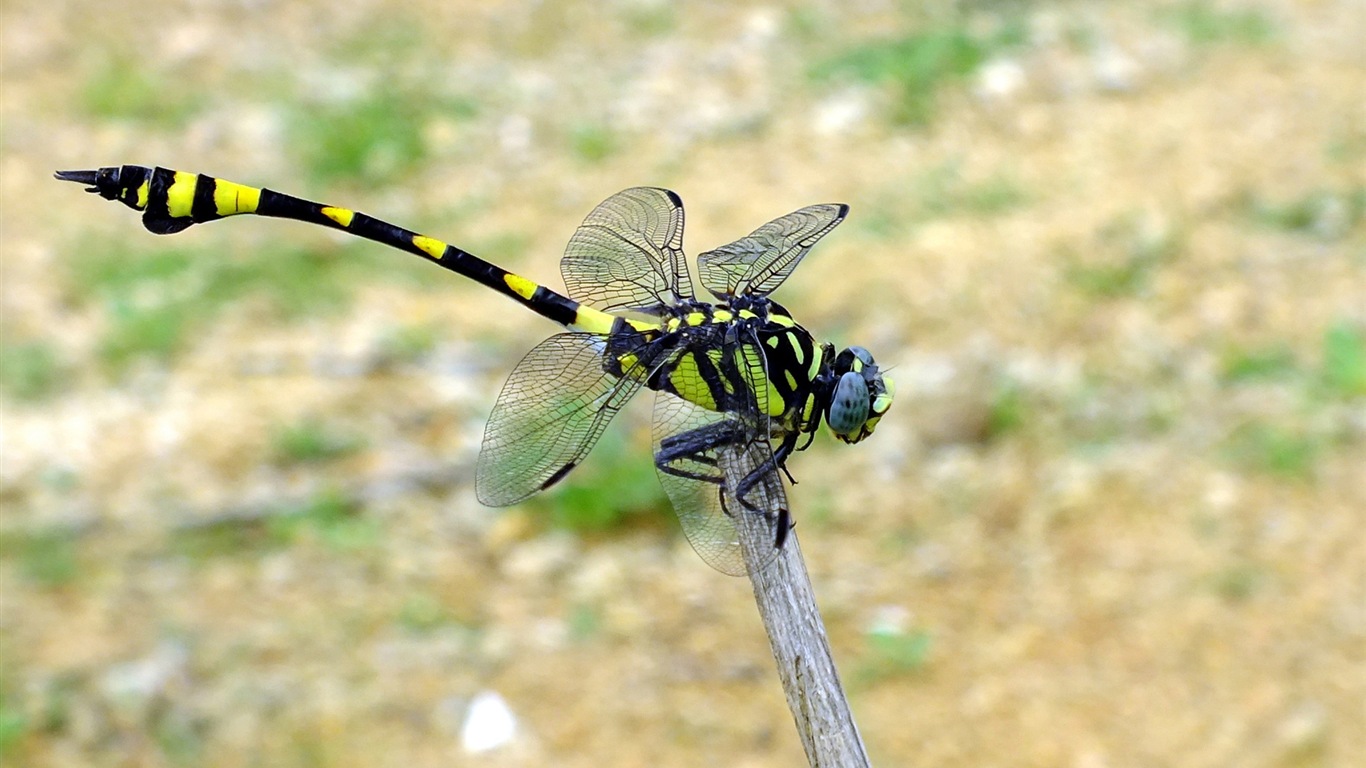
(698, 445)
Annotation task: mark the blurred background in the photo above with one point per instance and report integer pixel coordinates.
(1115, 253)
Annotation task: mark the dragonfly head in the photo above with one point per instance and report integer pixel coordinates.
(861, 395)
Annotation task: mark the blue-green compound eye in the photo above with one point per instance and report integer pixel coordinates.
(849, 406)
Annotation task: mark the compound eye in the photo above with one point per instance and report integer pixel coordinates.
(854, 359)
(849, 404)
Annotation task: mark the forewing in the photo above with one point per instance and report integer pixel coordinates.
(628, 253)
(759, 262)
(551, 411)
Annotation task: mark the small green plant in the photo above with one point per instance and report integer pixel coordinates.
(410, 343)
(157, 332)
(920, 65)
(1326, 214)
(157, 300)
(585, 622)
(1273, 362)
(14, 723)
(1007, 412)
(30, 371)
(1274, 450)
(312, 440)
(893, 652)
(1130, 255)
(125, 89)
(177, 736)
(226, 538)
(649, 19)
(944, 191)
(374, 138)
(1344, 360)
(1202, 23)
(940, 192)
(1112, 280)
(503, 248)
(329, 518)
(1237, 583)
(616, 488)
(593, 143)
(422, 613)
(47, 559)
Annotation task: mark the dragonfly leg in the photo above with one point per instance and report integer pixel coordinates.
(698, 447)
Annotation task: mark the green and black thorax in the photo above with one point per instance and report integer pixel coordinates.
(703, 353)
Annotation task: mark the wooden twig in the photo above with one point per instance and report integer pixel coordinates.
(796, 633)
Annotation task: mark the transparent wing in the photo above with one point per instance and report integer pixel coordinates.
(715, 465)
(628, 253)
(551, 411)
(701, 481)
(759, 262)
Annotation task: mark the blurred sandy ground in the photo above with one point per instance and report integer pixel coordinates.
(1115, 518)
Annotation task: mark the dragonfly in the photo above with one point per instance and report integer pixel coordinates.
(740, 385)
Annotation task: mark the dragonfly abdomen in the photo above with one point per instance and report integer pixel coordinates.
(172, 201)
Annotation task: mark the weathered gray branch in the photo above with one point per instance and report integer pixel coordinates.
(796, 633)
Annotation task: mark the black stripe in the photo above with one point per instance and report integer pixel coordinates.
(711, 377)
(130, 178)
(281, 206)
(157, 217)
(730, 370)
(203, 207)
(550, 304)
(559, 475)
(157, 202)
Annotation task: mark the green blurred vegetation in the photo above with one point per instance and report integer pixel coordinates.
(157, 299)
(585, 622)
(30, 371)
(1341, 372)
(1126, 255)
(123, 87)
(890, 653)
(1204, 22)
(1240, 581)
(409, 344)
(313, 440)
(13, 722)
(327, 517)
(615, 488)
(1008, 411)
(944, 191)
(1287, 451)
(1325, 213)
(45, 558)
(1344, 360)
(330, 519)
(1276, 361)
(375, 138)
(364, 116)
(919, 65)
(593, 143)
(422, 612)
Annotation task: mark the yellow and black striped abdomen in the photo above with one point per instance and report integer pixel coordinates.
(171, 201)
